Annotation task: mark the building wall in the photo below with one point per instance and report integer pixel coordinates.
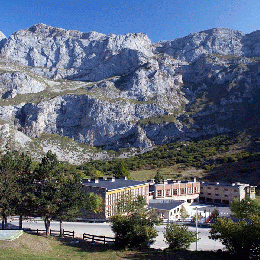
(171, 215)
(218, 193)
(187, 191)
(113, 196)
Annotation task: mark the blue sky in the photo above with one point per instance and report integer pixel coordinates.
(160, 20)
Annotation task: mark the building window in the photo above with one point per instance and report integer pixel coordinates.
(225, 189)
(201, 192)
(216, 188)
(217, 194)
(159, 193)
(209, 193)
(209, 188)
(167, 193)
(175, 192)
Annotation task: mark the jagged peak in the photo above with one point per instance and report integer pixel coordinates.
(218, 30)
(2, 36)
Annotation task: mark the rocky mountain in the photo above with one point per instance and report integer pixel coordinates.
(71, 91)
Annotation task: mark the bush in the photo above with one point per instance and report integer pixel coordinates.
(241, 238)
(133, 231)
(178, 237)
(134, 224)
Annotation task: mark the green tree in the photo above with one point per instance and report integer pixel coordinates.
(48, 180)
(121, 170)
(135, 228)
(158, 177)
(70, 199)
(17, 185)
(184, 213)
(59, 192)
(25, 205)
(241, 238)
(8, 187)
(244, 208)
(178, 237)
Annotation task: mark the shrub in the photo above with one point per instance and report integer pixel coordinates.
(134, 223)
(178, 237)
(241, 238)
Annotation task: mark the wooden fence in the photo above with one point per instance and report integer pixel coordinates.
(68, 233)
(53, 232)
(71, 234)
(99, 239)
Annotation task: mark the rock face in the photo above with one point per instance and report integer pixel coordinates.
(15, 83)
(2, 40)
(91, 56)
(219, 41)
(124, 92)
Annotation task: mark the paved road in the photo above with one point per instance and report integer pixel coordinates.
(104, 229)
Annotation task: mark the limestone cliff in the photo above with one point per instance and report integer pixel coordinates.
(121, 91)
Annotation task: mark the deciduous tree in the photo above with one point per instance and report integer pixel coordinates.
(178, 237)
(135, 228)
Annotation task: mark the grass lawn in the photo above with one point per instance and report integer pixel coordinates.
(174, 172)
(39, 247)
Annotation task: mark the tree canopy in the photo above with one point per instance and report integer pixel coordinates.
(134, 223)
(178, 237)
(51, 189)
(244, 208)
(242, 235)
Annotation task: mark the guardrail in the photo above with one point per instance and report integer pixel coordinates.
(99, 239)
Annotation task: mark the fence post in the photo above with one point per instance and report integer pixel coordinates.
(104, 240)
(93, 238)
(50, 232)
(73, 233)
(37, 232)
(63, 231)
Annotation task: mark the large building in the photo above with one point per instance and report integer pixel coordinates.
(225, 193)
(112, 189)
(187, 191)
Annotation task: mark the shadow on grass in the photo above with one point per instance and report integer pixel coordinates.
(178, 254)
(152, 254)
(78, 243)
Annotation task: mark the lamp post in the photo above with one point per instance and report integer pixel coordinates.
(196, 228)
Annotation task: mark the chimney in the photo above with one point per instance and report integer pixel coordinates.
(112, 179)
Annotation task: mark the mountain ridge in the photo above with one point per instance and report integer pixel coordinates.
(122, 91)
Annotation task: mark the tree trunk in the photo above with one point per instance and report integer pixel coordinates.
(4, 221)
(20, 222)
(47, 223)
(61, 228)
